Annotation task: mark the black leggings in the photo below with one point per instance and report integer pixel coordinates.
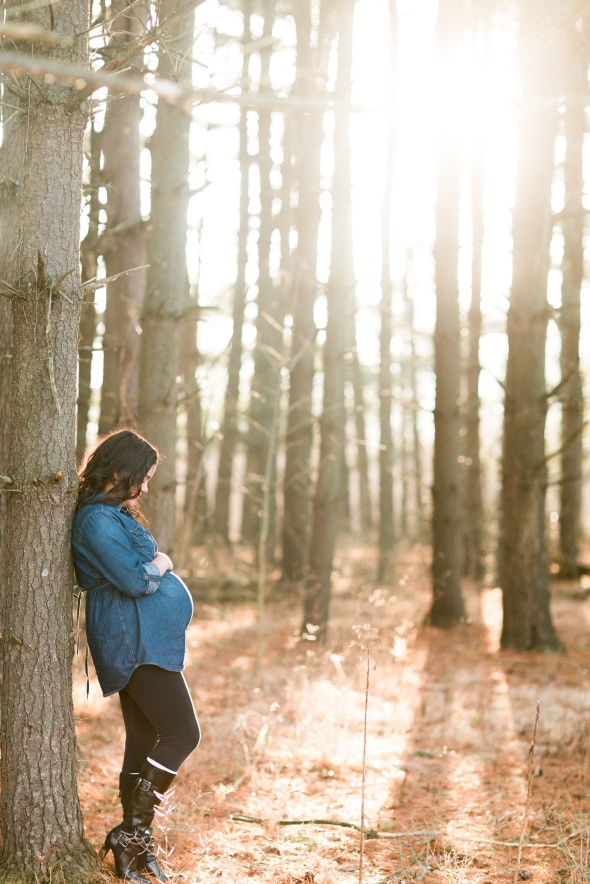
(160, 720)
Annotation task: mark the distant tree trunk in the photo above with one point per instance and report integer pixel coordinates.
(340, 296)
(473, 565)
(522, 553)
(356, 372)
(40, 817)
(447, 603)
(195, 514)
(269, 338)
(386, 524)
(124, 240)
(87, 331)
(416, 448)
(311, 70)
(229, 426)
(473, 561)
(569, 324)
(166, 292)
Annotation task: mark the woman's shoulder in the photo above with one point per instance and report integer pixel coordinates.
(95, 513)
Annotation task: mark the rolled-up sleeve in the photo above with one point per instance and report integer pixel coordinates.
(107, 547)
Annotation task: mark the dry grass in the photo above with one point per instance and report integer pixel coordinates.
(449, 724)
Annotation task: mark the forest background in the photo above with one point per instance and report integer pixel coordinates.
(330, 260)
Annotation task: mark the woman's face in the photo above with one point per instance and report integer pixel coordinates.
(143, 489)
(144, 486)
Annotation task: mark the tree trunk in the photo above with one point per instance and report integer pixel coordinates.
(10, 162)
(229, 426)
(167, 278)
(522, 553)
(386, 524)
(365, 505)
(124, 241)
(569, 324)
(473, 560)
(340, 296)
(269, 338)
(40, 817)
(311, 70)
(447, 603)
(87, 331)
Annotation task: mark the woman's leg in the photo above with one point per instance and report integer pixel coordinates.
(167, 711)
(140, 735)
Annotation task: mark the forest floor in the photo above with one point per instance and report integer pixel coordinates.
(452, 789)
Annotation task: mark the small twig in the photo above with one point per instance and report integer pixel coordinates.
(529, 789)
(92, 284)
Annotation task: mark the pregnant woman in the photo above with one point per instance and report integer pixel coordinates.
(137, 613)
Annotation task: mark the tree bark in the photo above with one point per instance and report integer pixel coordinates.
(522, 552)
(573, 272)
(40, 817)
(167, 278)
(124, 240)
(10, 163)
(447, 603)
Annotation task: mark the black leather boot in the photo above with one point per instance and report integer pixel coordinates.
(147, 860)
(151, 785)
(126, 848)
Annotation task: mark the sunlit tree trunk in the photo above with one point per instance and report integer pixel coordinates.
(40, 817)
(447, 603)
(386, 524)
(123, 241)
(311, 71)
(265, 386)
(473, 561)
(88, 261)
(416, 446)
(340, 297)
(569, 324)
(362, 465)
(166, 292)
(229, 426)
(522, 552)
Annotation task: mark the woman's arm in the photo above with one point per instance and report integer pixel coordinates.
(106, 545)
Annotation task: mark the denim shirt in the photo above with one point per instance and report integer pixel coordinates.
(134, 616)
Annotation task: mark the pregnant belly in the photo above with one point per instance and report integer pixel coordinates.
(177, 594)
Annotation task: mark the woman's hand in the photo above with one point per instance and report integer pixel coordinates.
(163, 563)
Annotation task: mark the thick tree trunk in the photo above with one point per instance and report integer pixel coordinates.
(10, 162)
(569, 324)
(124, 241)
(311, 70)
(447, 603)
(340, 296)
(229, 426)
(40, 818)
(386, 523)
(167, 278)
(522, 553)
